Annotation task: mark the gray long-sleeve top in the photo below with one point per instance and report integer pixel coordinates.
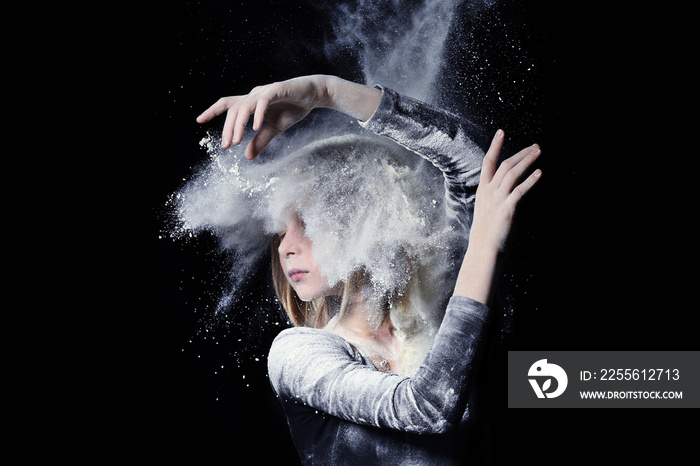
(340, 408)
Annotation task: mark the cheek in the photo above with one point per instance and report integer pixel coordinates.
(314, 286)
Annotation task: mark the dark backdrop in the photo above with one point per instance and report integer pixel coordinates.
(594, 256)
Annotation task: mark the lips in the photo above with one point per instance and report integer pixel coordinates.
(297, 274)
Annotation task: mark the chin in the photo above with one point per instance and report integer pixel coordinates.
(310, 291)
(307, 296)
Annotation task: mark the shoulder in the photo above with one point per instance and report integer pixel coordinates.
(301, 351)
(304, 338)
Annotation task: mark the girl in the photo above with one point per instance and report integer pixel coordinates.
(336, 371)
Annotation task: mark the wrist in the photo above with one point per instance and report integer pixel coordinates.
(485, 245)
(325, 90)
(485, 255)
(356, 100)
(475, 278)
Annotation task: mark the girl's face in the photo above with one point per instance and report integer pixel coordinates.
(297, 259)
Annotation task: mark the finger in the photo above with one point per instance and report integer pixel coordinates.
(488, 166)
(513, 167)
(244, 112)
(524, 187)
(260, 110)
(219, 107)
(260, 141)
(270, 94)
(227, 132)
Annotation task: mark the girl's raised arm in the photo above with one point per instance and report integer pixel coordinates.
(496, 199)
(282, 104)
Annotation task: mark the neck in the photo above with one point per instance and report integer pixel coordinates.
(366, 319)
(367, 325)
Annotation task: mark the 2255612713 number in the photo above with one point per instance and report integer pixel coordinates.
(639, 374)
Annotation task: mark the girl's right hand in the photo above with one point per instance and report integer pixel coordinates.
(280, 105)
(283, 104)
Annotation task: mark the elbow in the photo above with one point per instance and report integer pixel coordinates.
(442, 415)
(447, 423)
(428, 426)
(439, 425)
(450, 422)
(442, 426)
(438, 421)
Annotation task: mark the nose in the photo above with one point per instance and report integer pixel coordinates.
(288, 245)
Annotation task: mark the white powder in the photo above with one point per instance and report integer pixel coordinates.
(376, 206)
(367, 204)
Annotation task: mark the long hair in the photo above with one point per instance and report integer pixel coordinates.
(319, 311)
(368, 196)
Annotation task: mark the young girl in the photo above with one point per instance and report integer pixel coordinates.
(336, 371)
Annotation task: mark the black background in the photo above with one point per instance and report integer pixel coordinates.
(600, 258)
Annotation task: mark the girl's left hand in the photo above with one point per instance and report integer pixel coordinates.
(498, 194)
(496, 198)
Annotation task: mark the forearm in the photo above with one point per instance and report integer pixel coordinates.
(475, 279)
(353, 99)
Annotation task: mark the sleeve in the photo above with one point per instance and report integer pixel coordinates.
(321, 370)
(451, 143)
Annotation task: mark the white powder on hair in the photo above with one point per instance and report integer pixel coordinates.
(367, 203)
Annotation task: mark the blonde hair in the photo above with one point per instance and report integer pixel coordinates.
(319, 311)
(388, 284)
